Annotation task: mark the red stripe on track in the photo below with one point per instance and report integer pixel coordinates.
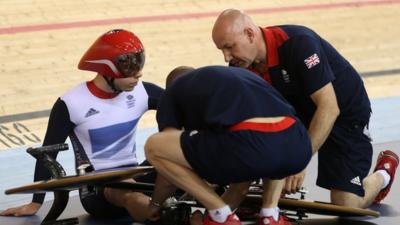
(159, 18)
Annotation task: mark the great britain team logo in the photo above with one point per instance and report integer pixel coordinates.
(130, 101)
(312, 61)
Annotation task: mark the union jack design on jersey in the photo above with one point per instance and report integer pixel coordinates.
(312, 61)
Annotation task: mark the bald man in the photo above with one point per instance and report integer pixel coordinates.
(328, 95)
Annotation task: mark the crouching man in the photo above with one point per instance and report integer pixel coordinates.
(213, 128)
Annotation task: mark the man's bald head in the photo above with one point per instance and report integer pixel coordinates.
(231, 22)
(239, 38)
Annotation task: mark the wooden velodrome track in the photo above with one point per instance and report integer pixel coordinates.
(42, 41)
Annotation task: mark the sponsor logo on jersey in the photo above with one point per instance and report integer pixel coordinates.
(312, 61)
(91, 112)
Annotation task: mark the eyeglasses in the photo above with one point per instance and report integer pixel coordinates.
(130, 64)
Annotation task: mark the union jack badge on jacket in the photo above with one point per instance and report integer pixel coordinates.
(312, 61)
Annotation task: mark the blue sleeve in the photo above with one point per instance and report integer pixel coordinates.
(168, 111)
(58, 129)
(311, 63)
(154, 93)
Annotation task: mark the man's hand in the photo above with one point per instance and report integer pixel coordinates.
(24, 210)
(293, 183)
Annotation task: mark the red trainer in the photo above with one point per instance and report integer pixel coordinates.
(387, 160)
(231, 220)
(283, 220)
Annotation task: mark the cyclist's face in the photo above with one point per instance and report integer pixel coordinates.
(130, 64)
(128, 83)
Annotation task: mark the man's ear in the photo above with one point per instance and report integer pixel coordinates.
(249, 34)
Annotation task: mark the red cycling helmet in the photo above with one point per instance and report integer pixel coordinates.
(115, 54)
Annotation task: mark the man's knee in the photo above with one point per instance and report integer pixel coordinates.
(159, 145)
(150, 147)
